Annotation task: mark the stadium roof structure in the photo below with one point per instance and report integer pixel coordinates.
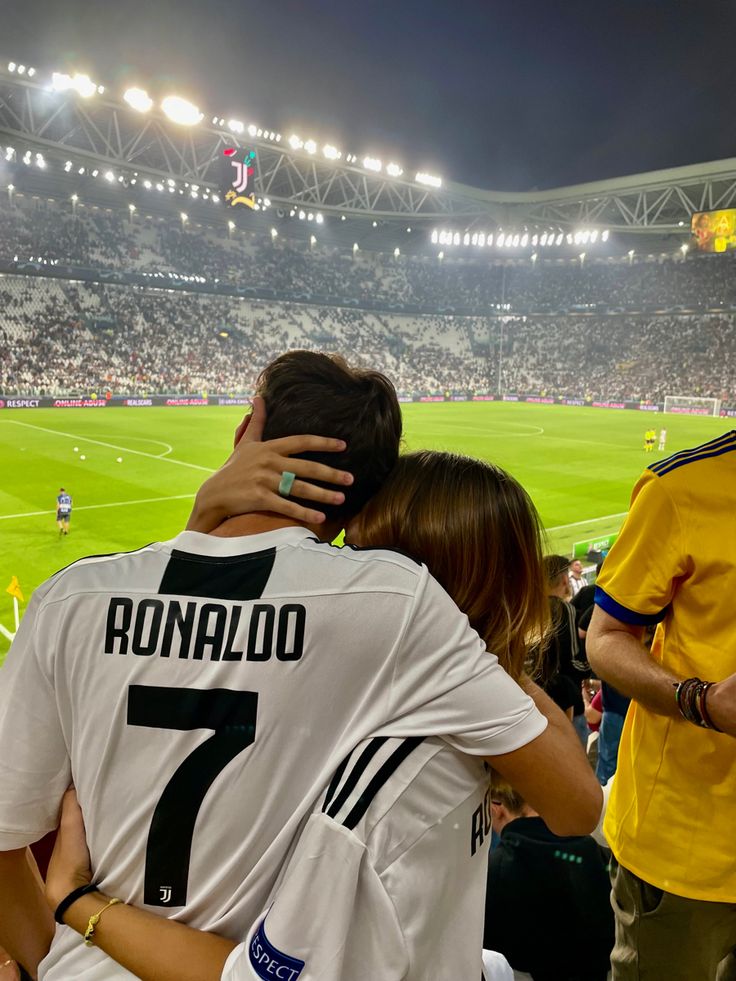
(77, 120)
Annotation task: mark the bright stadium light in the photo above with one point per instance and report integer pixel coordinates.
(466, 238)
(342, 218)
(594, 236)
(235, 125)
(252, 130)
(310, 216)
(21, 69)
(559, 239)
(109, 176)
(524, 240)
(482, 239)
(569, 238)
(312, 240)
(435, 236)
(181, 111)
(12, 66)
(80, 171)
(131, 208)
(310, 146)
(684, 248)
(534, 258)
(274, 233)
(75, 198)
(302, 215)
(489, 243)
(375, 224)
(296, 142)
(397, 251)
(500, 240)
(67, 166)
(231, 225)
(61, 82)
(31, 72)
(331, 152)
(429, 179)
(138, 99)
(319, 218)
(184, 216)
(372, 163)
(393, 170)
(604, 236)
(456, 238)
(440, 255)
(355, 247)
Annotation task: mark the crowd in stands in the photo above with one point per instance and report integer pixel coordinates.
(59, 337)
(108, 239)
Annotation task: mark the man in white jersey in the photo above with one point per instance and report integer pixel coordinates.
(201, 692)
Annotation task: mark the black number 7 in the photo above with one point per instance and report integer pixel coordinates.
(232, 714)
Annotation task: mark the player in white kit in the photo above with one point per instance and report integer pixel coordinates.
(250, 661)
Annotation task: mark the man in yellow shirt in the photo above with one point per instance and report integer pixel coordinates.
(671, 821)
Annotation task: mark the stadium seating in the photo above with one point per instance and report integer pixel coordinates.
(609, 329)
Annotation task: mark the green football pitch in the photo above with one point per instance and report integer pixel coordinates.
(578, 464)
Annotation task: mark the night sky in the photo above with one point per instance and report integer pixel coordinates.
(500, 94)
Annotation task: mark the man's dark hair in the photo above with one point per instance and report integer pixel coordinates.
(320, 394)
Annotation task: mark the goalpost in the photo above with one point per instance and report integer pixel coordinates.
(692, 405)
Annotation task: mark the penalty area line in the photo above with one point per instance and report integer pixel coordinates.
(590, 521)
(112, 446)
(93, 507)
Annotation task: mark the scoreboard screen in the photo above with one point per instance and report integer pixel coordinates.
(714, 231)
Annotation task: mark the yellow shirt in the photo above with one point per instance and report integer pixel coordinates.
(672, 815)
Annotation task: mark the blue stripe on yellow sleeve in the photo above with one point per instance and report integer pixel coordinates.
(623, 613)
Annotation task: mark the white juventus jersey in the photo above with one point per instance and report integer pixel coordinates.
(388, 879)
(201, 692)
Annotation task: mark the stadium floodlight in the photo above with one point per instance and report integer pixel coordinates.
(109, 176)
(147, 184)
(489, 243)
(569, 238)
(131, 208)
(11, 187)
(684, 248)
(252, 130)
(95, 172)
(67, 166)
(394, 170)
(312, 240)
(302, 215)
(31, 72)
(21, 69)
(235, 126)
(355, 247)
(342, 218)
(138, 99)
(429, 179)
(466, 238)
(524, 240)
(231, 224)
(604, 236)
(75, 198)
(409, 229)
(12, 66)
(184, 216)
(440, 255)
(516, 241)
(310, 146)
(534, 257)
(435, 237)
(397, 251)
(482, 239)
(181, 111)
(372, 163)
(295, 142)
(159, 187)
(559, 239)
(310, 216)
(319, 218)
(535, 241)
(375, 224)
(259, 131)
(274, 233)
(500, 240)
(594, 236)
(80, 171)
(61, 82)
(456, 238)
(331, 152)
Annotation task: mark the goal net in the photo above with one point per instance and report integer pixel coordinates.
(692, 405)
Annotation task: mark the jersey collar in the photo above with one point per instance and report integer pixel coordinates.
(198, 544)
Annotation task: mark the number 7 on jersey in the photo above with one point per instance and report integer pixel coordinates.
(232, 715)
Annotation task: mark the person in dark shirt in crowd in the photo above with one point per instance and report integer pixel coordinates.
(558, 668)
(547, 905)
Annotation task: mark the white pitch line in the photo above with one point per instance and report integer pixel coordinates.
(92, 507)
(590, 521)
(112, 446)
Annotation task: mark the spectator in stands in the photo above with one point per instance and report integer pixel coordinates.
(674, 564)
(547, 905)
(576, 577)
(557, 660)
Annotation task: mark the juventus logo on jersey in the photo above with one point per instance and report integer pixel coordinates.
(165, 893)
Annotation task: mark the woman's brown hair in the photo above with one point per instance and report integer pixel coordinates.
(476, 529)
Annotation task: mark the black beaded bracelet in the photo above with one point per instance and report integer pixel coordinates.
(72, 898)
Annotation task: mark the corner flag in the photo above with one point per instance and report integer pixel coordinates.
(15, 590)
